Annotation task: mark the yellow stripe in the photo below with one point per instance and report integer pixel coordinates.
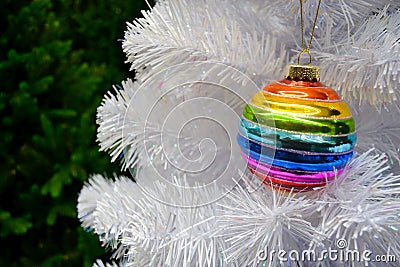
(301, 107)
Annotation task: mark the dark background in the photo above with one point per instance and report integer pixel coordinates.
(58, 59)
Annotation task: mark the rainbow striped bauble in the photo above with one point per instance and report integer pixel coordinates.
(297, 134)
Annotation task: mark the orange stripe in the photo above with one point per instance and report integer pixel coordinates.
(304, 90)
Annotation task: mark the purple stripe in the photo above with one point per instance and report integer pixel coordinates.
(287, 175)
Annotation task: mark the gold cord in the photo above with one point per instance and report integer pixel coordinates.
(303, 48)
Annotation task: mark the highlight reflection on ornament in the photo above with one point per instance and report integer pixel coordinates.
(297, 133)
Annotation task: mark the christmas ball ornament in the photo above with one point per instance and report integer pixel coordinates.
(297, 134)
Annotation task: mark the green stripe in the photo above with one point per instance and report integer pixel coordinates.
(297, 124)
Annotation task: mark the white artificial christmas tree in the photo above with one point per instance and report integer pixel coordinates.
(191, 200)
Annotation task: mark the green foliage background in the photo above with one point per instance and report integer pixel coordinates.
(57, 60)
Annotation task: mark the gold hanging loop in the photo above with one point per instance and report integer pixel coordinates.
(303, 48)
(301, 53)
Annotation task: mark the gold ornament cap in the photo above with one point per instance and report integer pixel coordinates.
(304, 73)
